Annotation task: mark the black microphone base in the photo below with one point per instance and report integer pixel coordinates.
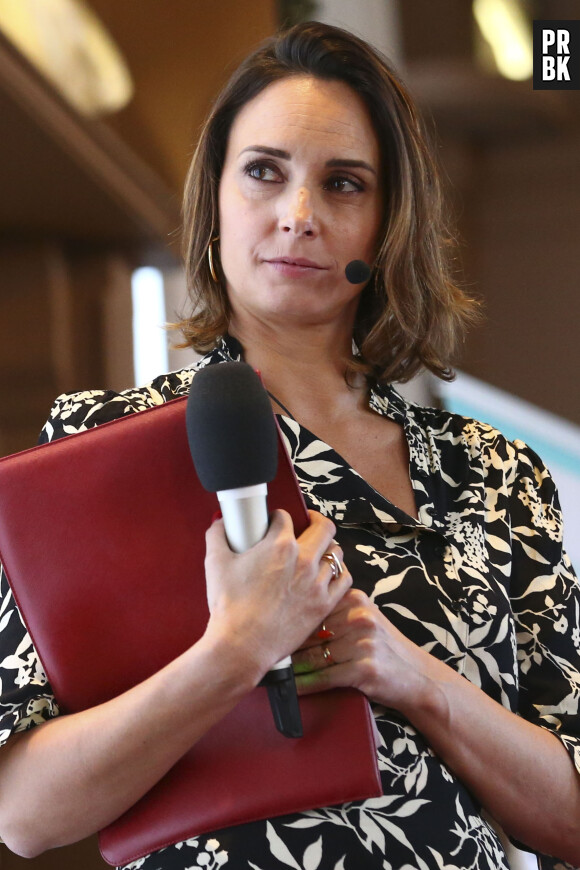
(283, 699)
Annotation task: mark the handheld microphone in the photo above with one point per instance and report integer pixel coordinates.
(234, 447)
(357, 272)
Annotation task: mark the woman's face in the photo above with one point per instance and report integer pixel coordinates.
(299, 198)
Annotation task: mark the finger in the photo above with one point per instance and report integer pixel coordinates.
(315, 540)
(336, 625)
(219, 552)
(352, 602)
(315, 658)
(333, 592)
(280, 521)
(331, 628)
(336, 588)
(318, 537)
(323, 654)
(341, 621)
(313, 641)
(333, 560)
(215, 537)
(339, 676)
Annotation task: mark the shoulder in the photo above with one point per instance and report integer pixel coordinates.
(77, 412)
(475, 438)
(438, 427)
(478, 438)
(451, 440)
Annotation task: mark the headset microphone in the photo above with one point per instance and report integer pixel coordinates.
(357, 272)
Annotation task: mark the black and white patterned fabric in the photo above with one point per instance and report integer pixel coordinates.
(480, 580)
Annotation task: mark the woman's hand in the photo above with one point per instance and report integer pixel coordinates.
(360, 647)
(520, 773)
(269, 599)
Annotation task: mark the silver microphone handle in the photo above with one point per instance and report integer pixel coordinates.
(245, 514)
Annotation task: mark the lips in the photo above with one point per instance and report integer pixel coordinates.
(295, 261)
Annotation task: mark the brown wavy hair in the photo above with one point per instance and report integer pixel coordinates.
(411, 312)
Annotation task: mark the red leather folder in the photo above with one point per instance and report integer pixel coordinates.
(102, 537)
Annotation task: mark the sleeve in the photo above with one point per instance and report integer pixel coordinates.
(26, 698)
(77, 412)
(545, 595)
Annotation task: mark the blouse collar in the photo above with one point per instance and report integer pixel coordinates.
(386, 401)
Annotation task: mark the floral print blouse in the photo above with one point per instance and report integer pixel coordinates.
(480, 580)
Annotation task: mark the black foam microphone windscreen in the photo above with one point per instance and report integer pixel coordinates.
(357, 272)
(231, 427)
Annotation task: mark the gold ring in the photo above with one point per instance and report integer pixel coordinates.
(327, 655)
(334, 563)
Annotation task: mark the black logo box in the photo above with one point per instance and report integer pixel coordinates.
(570, 39)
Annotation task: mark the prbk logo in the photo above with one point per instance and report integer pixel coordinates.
(556, 55)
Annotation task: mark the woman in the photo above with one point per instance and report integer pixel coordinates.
(463, 626)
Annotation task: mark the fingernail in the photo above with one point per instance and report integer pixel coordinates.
(324, 634)
(216, 516)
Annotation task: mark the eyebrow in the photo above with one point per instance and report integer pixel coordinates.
(334, 163)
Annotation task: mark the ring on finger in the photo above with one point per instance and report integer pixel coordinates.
(334, 562)
(327, 656)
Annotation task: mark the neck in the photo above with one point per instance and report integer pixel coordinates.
(303, 370)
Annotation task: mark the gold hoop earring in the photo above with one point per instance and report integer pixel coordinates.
(210, 260)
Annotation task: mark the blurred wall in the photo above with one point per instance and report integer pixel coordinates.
(180, 53)
(84, 201)
(510, 155)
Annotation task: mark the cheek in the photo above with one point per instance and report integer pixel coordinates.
(235, 241)
(368, 242)
(230, 221)
(237, 246)
(242, 230)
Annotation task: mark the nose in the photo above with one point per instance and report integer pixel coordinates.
(297, 215)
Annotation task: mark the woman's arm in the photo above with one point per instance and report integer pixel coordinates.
(65, 779)
(519, 772)
(69, 777)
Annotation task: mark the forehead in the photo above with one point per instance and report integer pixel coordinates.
(302, 110)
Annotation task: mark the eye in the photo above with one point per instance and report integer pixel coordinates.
(262, 171)
(343, 184)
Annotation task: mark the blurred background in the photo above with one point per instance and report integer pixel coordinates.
(100, 105)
